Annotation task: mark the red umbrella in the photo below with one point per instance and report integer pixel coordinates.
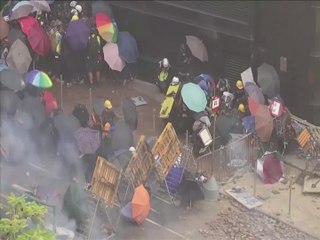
(26, 24)
(264, 123)
(253, 105)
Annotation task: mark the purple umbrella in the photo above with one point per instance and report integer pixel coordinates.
(88, 140)
(255, 92)
(78, 34)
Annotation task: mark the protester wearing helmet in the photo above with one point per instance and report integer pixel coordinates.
(239, 94)
(222, 86)
(163, 75)
(108, 115)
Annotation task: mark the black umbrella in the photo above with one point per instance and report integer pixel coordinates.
(10, 78)
(122, 137)
(32, 110)
(224, 124)
(101, 6)
(190, 191)
(66, 123)
(9, 101)
(130, 113)
(15, 34)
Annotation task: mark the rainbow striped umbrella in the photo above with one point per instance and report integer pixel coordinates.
(107, 28)
(38, 79)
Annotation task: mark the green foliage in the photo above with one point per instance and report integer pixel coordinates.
(16, 227)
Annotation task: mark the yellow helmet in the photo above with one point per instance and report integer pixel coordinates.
(241, 108)
(239, 84)
(106, 127)
(107, 104)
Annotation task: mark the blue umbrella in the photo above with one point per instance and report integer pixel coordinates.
(194, 97)
(78, 34)
(249, 124)
(128, 49)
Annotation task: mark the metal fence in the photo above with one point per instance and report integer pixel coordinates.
(223, 162)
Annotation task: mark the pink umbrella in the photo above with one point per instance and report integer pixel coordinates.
(112, 57)
(264, 123)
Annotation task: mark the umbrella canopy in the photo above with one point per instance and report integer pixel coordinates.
(253, 105)
(271, 171)
(33, 111)
(101, 7)
(9, 101)
(41, 5)
(78, 34)
(255, 92)
(19, 57)
(130, 114)
(268, 80)
(38, 79)
(194, 97)
(126, 212)
(4, 28)
(15, 34)
(224, 124)
(249, 124)
(190, 191)
(10, 78)
(128, 49)
(26, 23)
(106, 27)
(50, 101)
(38, 39)
(140, 204)
(21, 9)
(112, 57)
(88, 140)
(122, 137)
(66, 123)
(264, 123)
(197, 48)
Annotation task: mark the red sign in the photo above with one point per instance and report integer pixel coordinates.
(215, 103)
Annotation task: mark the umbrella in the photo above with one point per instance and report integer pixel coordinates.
(10, 78)
(41, 5)
(101, 7)
(126, 212)
(4, 28)
(140, 204)
(268, 80)
(130, 113)
(106, 27)
(50, 101)
(112, 57)
(128, 49)
(38, 39)
(19, 57)
(33, 109)
(194, 97)
(38, 79)
(15, 34)
(224, 124)
(21, 9)
(190, 191)
(255, 92)
(9, 101)
(264, 123)
(249, 124)
(122, 137)
(78, 34)
(269, 168)
(26, 23)
(66, 123)
(253, 105)
(98, 105)
(88, 140)
(197, 48)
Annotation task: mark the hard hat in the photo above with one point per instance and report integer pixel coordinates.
(107, 104)
(74, 11)
(241, 108)
(239, 84)
(78, 8)
(175, 81)
(73, 4)
(106, 127)
(165, 62)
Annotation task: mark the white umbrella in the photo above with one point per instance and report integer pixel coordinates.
(19, 57)
(197, 48)
(41, 5)
(112, 57)
(21, 9)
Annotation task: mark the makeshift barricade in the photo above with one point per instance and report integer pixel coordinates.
(104, 189)
(167, 153)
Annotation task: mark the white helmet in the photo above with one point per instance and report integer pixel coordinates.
(165, 62)
(78, 8)
(175, 81)
(73, 4)
(74, 11)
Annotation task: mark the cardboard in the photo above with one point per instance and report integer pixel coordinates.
(243, 197)
(139, 101)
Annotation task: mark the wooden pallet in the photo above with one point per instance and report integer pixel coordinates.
(105, 181)
(166, 151)
(140, 164)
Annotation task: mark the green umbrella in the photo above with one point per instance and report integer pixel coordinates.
(194, 97)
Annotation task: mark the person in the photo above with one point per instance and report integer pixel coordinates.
(108, 115)
(222, 86)
(105, 149)
(94, 56)
(239, 94)
(56, 39)
(4, 50)
(184, 61)
(74, 14)
(80, 111)
(163, 75)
